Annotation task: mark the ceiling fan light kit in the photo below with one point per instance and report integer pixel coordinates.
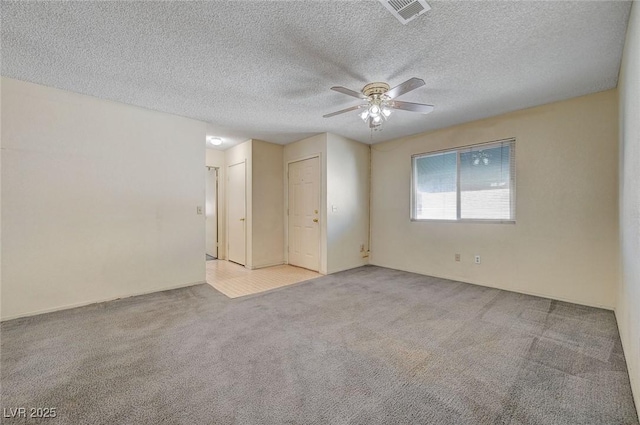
(380, 101)
(379, 107)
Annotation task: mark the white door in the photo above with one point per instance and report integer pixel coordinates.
(236, 193)
(211, 213)
(304, 217)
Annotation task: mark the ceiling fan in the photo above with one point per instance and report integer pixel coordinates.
(380, 101)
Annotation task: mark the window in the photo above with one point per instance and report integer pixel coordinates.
(472, 183)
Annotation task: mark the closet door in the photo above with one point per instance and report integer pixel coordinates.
(237, 213)
(304, 217)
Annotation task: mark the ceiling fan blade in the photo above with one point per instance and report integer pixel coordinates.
(413, 107)
(348, 92)
(342, 111)
(407, 86)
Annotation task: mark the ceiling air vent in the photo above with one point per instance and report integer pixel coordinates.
(406, 10)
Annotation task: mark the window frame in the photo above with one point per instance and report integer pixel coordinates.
(457, 150)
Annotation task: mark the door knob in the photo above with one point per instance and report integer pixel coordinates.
(315, 220)
(242, 219)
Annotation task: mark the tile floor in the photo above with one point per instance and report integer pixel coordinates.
(235, 281)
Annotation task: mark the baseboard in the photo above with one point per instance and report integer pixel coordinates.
(293, 265)
(262, 266)
(633, 380)
(519, 291)
(342, 269)
(97, 301)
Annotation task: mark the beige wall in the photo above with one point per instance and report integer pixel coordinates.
(628, 301)
(268, 204)
(99, 200)
(265, 200)
(215, 158)
(564, 244)
(344, 166)
(303, 149)
(347, 203)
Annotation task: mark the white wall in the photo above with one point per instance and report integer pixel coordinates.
(267, 230)
(99, 200)
(215, 158)
(304, 149)
(1, 149)
(347, 203)
(565, 242)
(628, 301)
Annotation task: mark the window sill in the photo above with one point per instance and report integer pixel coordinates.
(483, 221)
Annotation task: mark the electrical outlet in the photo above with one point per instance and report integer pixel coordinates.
(457, 257)
(477, 259)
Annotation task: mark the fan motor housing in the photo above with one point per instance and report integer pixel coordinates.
(378, 88)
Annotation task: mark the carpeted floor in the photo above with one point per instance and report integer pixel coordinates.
(366, 346)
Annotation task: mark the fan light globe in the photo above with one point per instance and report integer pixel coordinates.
(374, 110)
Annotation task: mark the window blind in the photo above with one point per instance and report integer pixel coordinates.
(436, 177)
(472, 183)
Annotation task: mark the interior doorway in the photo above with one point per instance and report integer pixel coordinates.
(236, 213)
(304, 217)
(211, 213)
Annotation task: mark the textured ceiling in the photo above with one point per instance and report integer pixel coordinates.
(263, 69)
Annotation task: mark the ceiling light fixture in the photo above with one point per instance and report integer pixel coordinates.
(378, 111)
(380, 100)
(215, 141)
(379, 106)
